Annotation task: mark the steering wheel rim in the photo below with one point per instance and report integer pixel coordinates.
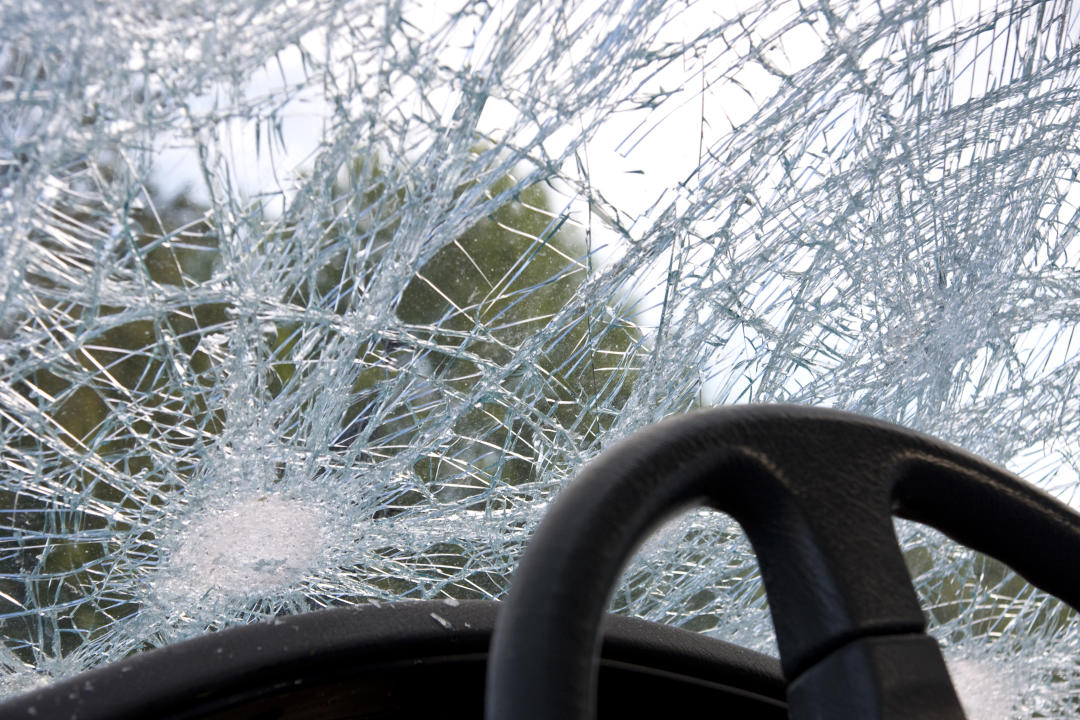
(815, 490)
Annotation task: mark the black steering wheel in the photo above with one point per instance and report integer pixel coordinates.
(815, 491)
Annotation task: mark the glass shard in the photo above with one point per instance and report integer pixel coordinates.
(320, 303)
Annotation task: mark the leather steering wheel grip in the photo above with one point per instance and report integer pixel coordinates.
(815, 491)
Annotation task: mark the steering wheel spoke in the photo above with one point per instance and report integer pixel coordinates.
(815, 491)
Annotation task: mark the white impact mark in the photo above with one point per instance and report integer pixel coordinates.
(987, 691)
(251, 547)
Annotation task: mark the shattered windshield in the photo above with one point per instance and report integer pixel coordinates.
(319, 303)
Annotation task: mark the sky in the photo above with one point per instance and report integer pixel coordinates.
(630, 171)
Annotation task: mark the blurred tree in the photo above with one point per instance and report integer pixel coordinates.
(115, 391)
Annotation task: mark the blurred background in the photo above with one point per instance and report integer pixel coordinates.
(320, 302)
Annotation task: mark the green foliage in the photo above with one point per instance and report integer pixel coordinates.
(112, 390)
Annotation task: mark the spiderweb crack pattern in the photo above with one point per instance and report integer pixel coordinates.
(320, 303)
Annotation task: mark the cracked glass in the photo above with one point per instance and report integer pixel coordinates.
(319, 303)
